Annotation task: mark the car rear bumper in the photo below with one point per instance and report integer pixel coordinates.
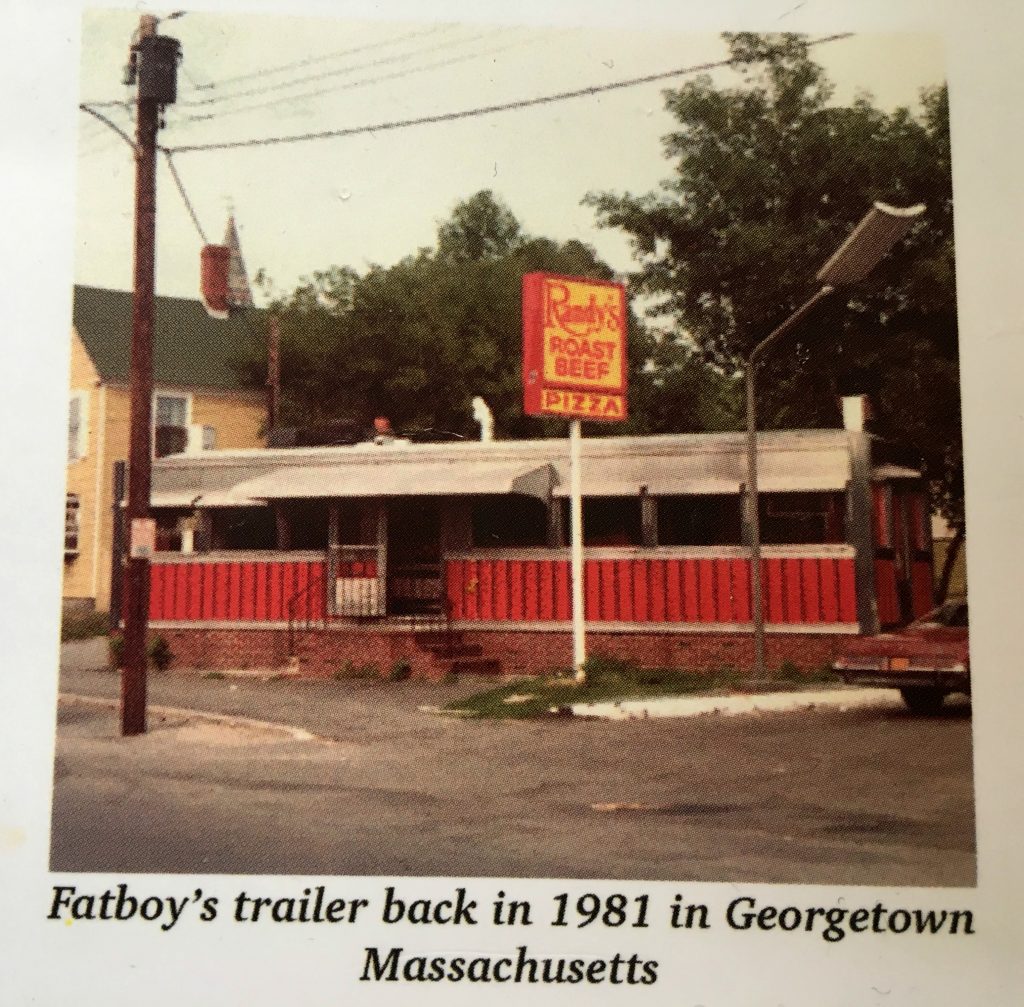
(947, 679)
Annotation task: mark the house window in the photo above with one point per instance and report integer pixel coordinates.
(76, 426)
(509, 522)
(170, 419)
(609, 521)
(71, 524)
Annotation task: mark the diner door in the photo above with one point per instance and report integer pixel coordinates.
(414, 556)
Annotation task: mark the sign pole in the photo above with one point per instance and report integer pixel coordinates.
(579, 639)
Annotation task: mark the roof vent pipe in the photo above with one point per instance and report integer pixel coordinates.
(483, 415)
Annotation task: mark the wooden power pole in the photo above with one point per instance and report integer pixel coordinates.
(154, 61)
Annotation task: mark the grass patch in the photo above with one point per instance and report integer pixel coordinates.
(84, 626)
(612, 679)
(607, 679)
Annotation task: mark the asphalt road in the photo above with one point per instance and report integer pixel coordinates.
(859, 797)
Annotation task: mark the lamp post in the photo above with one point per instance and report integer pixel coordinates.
(877, 232)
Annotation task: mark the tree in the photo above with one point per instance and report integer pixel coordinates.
(419, 340)
(769, 177)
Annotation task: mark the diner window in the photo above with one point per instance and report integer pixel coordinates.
(801, 518)
(170, 422)
(244, 528)
(72, 527)
(609, 521)
(509, 522)
(699, 520)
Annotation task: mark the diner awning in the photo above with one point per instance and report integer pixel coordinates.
(393, 477)
(717, 473)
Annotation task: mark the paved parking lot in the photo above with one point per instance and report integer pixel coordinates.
(865, 796)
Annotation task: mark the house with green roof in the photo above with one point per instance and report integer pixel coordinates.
(200, 401)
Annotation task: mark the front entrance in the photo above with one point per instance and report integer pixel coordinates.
(414, 584)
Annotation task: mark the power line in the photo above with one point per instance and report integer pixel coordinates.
(184, 195)
(334, 55)
(102, 118)
(380, 61)
(395, 75)
(472, 112)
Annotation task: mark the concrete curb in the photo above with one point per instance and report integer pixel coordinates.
(739, 705)
(295, 733)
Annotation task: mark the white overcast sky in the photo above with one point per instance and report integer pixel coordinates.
(376, 197)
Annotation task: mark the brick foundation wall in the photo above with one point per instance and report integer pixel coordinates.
(326, 653)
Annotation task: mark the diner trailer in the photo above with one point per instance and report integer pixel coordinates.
(450, 557)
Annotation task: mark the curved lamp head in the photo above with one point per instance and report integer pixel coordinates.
(880, 229)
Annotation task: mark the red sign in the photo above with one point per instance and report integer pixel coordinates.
(574, 347)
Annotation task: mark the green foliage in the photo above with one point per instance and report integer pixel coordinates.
(352, 670)
(417, 341)
(83, 626)
(770, 176)
(400, 671)
(159, 653)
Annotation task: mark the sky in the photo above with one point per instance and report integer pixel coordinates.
(378, 196)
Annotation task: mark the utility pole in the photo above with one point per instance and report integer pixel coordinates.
(153, 64)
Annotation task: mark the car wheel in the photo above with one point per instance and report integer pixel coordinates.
(923, 699)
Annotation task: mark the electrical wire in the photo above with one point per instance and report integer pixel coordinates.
(309, 61)
(184, 195)
(380, 61)
(395, 75)
(102, 118)
(469, 113)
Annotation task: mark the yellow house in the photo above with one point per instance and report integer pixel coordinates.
(199, 403)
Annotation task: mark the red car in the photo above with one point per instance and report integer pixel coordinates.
(926, 660)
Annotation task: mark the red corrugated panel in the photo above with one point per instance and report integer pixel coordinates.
(301, 590)
(673, 590)
(923, 589)
(485, 590)
(156, 590)
(180, 574)
(622, 591)
(209, 577)
(563, 591)
(531, 590)
(691, 591)
(829, 590)
(247, 589)
(288, 609)
(793, 607)
(259, 609)
(500, 589)
(641, 576)
(547, 590)
(592, 590)
(771, 588)
(609, 608)
(723, 585)
(276, 610)
(708, 611)
(516, 602)
(195, 591)
(471, 602)
(658, 590)
(221, 579)
(810, 578)
(741, 590)
(847, 591)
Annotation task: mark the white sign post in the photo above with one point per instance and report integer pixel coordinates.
(579, 629)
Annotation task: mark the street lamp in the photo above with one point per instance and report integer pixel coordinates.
(880, 229)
